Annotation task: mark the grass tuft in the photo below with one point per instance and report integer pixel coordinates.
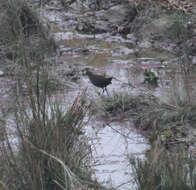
(163, 169)
(50, 151)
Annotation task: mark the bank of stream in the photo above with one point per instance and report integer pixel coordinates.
(124, 60)
(133, 64)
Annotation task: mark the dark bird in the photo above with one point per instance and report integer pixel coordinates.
(99, 81)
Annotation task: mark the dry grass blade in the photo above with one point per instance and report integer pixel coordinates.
(67, 172)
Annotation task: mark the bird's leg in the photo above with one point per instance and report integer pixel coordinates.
(103, 90)
(106, 91)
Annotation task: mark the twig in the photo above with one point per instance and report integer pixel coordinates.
(123, 184)
(129, 84)
(53, 9)
(126, 136)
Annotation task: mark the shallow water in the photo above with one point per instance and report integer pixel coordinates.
(111, 147)
(122, 59)
(125, 61)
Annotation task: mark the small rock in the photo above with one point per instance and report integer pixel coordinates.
(2, 73)
(145, 44)
(118, 14)
(9, 55)
(132, 38)
(194, 60)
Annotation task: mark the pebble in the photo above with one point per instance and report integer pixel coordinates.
(1, 73)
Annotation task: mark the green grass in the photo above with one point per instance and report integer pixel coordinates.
(150, 78)
(167, 120)
(180, 17)
(52, 151)
(165, 170)
(117, 102)
(178, 30)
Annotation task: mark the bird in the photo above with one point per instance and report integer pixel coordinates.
(99, 81)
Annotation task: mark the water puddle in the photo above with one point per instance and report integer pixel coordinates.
(111, 146)
(121, 59)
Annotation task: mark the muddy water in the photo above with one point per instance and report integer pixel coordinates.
(111, 146)
(122, 59)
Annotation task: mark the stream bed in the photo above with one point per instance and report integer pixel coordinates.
(111, 147)
(115, 56)
(122, 59)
